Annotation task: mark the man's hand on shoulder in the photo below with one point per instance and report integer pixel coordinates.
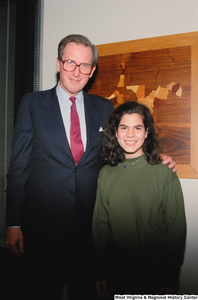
(14, 240)
(168, 160)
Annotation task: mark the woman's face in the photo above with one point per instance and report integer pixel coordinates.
(131, 135)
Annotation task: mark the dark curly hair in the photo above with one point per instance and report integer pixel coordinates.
(111, 151)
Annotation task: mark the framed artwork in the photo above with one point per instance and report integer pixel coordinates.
(161, 73)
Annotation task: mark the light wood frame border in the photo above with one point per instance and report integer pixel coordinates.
(171, 41)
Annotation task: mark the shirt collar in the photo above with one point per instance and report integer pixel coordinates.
(63, 96)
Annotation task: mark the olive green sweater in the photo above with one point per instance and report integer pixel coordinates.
(139, 205)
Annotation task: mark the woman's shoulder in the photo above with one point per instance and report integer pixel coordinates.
(107, 169)
(163, 170)
(107, 172)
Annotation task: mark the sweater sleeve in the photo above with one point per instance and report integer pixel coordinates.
(175, 222)
(100, 232)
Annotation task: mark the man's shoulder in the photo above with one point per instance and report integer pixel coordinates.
(98, 100)
(38, 98)
(40, 94)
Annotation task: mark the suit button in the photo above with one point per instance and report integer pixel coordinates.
(71, 192)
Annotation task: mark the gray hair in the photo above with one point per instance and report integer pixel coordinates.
(78, 39)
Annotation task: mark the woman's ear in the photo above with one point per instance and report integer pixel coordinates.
(146, 133)
(116, 135)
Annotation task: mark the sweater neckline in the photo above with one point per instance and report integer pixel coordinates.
(133, 162)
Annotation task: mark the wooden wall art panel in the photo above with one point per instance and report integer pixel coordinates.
(161, 73)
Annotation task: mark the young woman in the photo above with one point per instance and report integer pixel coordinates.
(139, 225)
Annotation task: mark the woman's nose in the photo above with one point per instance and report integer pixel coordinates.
(130, 132)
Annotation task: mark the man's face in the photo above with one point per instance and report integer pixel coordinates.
(73, 82)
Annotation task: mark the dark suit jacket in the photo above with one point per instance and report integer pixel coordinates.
(47, 194)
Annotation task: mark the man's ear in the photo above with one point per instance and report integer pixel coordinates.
(92, 71)
(58, 64)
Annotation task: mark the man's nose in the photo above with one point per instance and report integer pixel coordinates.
(77, 71)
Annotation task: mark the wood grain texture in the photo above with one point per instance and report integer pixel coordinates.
(151, 64)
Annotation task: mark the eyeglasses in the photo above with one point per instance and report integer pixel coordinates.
(70, 65)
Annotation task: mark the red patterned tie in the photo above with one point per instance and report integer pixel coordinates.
(76, 144)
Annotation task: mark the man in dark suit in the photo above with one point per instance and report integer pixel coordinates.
(50, 196)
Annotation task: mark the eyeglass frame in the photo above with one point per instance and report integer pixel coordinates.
(77, 65)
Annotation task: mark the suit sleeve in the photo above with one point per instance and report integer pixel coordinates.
(19, 169)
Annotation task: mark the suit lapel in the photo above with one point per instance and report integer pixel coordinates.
(92, 118)
(54, 119)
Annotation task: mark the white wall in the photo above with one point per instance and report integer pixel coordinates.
(107, 21)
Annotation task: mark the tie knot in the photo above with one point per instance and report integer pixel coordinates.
(72, 99)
